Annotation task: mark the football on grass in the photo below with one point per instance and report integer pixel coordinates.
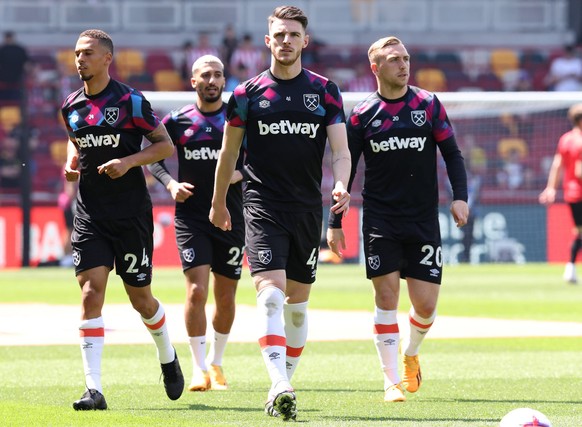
(525, 417)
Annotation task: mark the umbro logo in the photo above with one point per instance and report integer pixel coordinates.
(274, 356)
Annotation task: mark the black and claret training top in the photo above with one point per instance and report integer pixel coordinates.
(285, 123)
(107, 126)
(198, 138)
(399, 138)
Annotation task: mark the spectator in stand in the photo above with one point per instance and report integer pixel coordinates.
(363, 81)
(203, 47)
(250, 56)
(14, 63)
(238, 74)
(229, 44)
(567, 158)
(565, 72)
(10, 165)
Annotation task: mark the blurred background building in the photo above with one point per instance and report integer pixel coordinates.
(468, 46)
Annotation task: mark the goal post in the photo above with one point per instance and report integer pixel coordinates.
(508, 140)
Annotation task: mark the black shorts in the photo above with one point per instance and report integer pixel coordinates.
(413, 248)
(576, 209)
(283, 241)
(126, 243)
(201, 243)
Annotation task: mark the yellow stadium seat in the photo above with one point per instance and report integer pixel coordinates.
(129, 62)
(66, 61)
(58, 151)
(168, 80)
(10, 117)
(506, 146)
(503, 60)
(431, 79)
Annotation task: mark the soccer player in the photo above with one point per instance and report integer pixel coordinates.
(568, 159)
(113, 224)
(286, 114)
(398, 129)
(197, 130)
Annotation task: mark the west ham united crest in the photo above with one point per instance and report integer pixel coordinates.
(265, 257)
(418, 117)
(188, 254)
(374, 262)
(111, 114)
(311, 101)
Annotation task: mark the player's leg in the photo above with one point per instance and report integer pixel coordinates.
(301, 272)
(423, 296)
(423, 272)
(133, 263)
(296, 322)
(570, 275)
(197, 279)
(93, 259)
(227, 260)
(92, 336)
(383, 253)
(223, 318)
(387, 333)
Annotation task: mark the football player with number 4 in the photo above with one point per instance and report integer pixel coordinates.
(286, 114)
(398, 129)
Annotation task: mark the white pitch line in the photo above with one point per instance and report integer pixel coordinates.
(43, 324)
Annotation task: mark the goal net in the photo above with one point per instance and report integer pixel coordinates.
(508, 141)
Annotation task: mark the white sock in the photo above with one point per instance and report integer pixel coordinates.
(159, 332)
(295, 316)
(386, 338)
(418, 330)
(198, 351)
(217, 347)
(272, 333)
(92, 334)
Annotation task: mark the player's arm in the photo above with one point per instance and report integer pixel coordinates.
(549, 194)
(229, 152)
(341, 167)
(161, 147)
(458, 178)
(341, 162)
(72, 164)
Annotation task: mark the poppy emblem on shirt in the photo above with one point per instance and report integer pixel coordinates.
(188, 254)
(418, 117)
(266, 256)
(311, 101)
(374, 262)
(111, 114)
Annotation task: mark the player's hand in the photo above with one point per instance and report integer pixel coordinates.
(180, 191)
(342, 198)
(71, 173)
(220, 217)
(460, 212)
(336, 241)
(114, 169)
(547, 196)
(236, 177)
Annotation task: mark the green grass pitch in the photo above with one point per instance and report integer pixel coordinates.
(467, 382)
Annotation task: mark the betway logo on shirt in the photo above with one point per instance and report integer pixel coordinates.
(395, 143)
(91, 140)
(285, 127)
(204, 153)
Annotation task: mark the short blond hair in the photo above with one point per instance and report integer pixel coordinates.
(575, 114)
(378, 45)
(206, 59)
